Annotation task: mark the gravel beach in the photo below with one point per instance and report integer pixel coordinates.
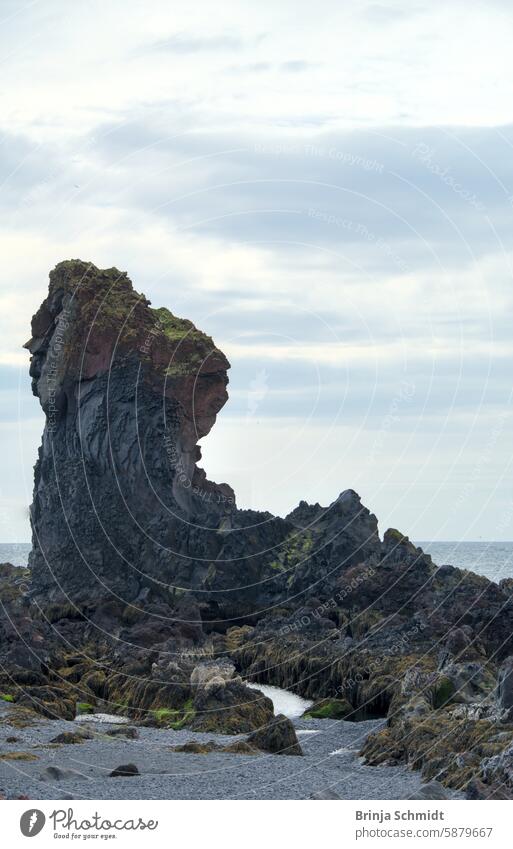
(330, 762)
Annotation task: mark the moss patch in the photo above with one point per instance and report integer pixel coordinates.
(175, 719)
(396, 535)
(329, 709)
(296, 548)
(175, 328)
(18, 756)
(443, 692)
(85, 707)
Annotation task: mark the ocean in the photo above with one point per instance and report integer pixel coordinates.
(15, 552)
(492, 559)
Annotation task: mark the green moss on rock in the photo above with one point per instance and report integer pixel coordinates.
(329, 709)
(175, 328)
(174, 718)
(6, 697)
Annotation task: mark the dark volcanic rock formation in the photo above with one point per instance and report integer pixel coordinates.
(122, 515)
(119, 501)
(152, 595)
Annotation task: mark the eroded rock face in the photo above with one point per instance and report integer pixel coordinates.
(119, 501)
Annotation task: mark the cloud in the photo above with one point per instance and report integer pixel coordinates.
(253, 67)
(297, 66)
(401, 199)
(377, 13)
(184, 43)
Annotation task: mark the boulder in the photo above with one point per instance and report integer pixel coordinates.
(229, 707)
(278, 737)
(124, 771)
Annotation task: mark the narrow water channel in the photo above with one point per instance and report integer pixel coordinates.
(284, 701)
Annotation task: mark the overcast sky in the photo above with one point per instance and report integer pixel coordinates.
(327, 189)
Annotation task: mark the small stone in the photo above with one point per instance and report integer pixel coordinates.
(70, 737)
(57, 773)
(195, 748)
(326, 794)
(432, 790)
(123, 731)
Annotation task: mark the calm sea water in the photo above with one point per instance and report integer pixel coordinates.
(492, 559)
(15, 552)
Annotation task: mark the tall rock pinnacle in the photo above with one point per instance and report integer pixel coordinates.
(127, 391)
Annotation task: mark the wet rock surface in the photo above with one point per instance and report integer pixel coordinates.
(152, 597)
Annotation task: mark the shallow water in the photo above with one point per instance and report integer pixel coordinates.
(110, 718)
(284, 701)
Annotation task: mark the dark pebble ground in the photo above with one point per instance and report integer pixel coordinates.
(173, 775)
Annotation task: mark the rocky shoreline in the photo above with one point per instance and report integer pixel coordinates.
(151, 596)
(330, 766)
